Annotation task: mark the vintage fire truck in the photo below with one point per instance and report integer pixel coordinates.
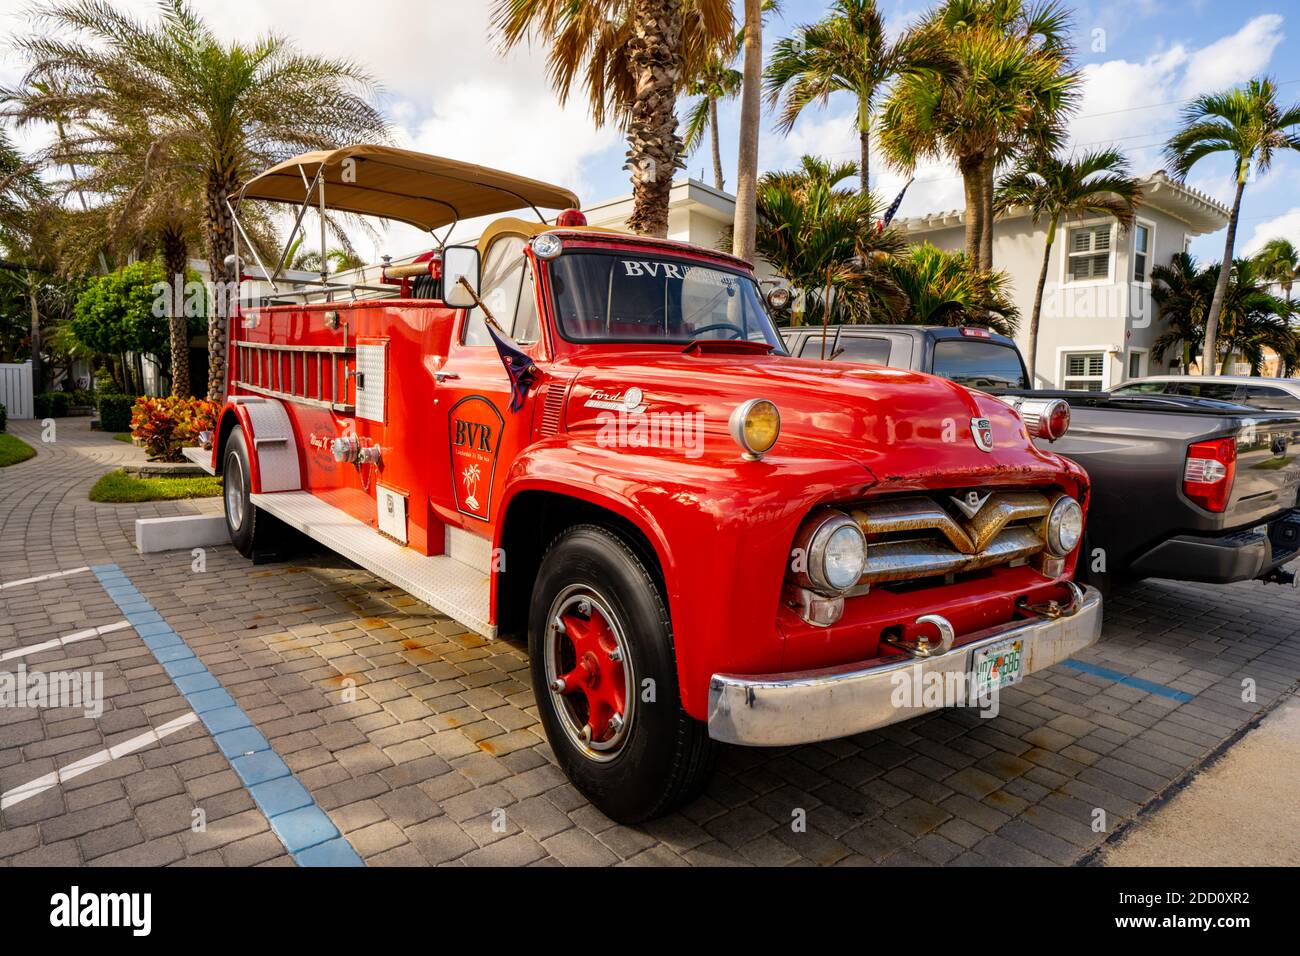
(597, 440)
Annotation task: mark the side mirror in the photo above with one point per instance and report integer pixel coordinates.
(459, 262)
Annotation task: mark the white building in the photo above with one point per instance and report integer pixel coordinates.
(1098, 321)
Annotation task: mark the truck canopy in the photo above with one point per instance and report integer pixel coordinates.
(405, 186)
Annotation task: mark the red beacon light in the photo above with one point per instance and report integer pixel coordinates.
(571, 217)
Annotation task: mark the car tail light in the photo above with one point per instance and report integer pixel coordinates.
(1045, 418)
(1208, 474)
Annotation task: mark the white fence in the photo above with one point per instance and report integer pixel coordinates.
(16, 390)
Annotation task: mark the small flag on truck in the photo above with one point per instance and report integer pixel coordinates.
(519, 367)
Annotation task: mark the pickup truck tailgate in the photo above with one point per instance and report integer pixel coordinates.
(1268, 468)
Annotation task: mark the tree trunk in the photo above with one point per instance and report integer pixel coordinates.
(175, 259)
(1031, 359)
(718, 179)
(33, 292)
(972, 186)
(222, 183)
(864, 144)
(654, 149)
(746, 222)
(1221, 287)
(986, 213)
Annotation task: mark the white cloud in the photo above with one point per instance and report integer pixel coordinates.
(1233, 59)
(1284, 226)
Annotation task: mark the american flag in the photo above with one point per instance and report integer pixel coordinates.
(893, 207)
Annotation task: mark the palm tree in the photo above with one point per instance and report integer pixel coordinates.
(938, 287)
(25, 212)
(634, 57)
(822, 237)
(1008, 87)
(1252, 317)
(1054, 188)
(1279, 262)
(719, 81)
(846, 51)
(1183, 291)
(745, 221)
(1250, 126)
(213, 113)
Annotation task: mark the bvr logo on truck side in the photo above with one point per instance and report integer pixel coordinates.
(474, 435)
(474, 430)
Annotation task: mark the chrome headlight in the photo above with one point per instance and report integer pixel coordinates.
(1064, 526)
(755, 425)
(830, 552)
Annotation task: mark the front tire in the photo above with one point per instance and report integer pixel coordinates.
(251, 529)
(605, 678)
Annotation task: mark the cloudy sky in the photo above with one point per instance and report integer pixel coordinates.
(450, 92)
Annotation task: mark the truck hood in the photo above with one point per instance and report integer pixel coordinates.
(911, 430)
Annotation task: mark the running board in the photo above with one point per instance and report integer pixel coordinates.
(201, 457)
(444, 583)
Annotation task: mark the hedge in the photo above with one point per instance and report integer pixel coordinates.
(115, 412)
(51, 405)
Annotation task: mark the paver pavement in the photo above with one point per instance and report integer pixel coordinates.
(421, 741)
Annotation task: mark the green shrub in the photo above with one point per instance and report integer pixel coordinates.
(166, 425)
(115, 412)
(83, 396)
(4, 416)
(51, 405)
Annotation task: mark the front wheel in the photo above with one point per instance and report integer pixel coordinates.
(251, 529)
(605, 678)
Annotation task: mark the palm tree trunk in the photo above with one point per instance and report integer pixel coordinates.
(33, 289)
(1032, 358)
(986, 221)
(1221, 287)
(654, 148)
(746, 222)
(717, 150)
(175, 258)
(222, 183)
(972, 186)
(864, 144)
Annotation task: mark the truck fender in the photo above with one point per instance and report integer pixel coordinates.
(273, 460)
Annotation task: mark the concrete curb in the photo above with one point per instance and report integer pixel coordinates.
(180, 533)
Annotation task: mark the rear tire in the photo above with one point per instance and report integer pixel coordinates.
(618, 729)
(251, 529)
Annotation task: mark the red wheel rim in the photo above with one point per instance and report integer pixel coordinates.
(589, 672)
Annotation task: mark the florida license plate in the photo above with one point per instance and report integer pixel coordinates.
(998, 666)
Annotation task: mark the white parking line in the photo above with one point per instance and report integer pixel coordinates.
(95, 760)
(42, 577)
(67, 639)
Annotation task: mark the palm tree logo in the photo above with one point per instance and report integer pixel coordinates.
(471, 476)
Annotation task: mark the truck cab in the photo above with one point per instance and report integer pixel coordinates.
(597, 442)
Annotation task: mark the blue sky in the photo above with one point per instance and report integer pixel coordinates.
(451, 92)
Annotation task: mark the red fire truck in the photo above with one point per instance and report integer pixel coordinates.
(597, 440)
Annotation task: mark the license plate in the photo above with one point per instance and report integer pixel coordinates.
(998, 666)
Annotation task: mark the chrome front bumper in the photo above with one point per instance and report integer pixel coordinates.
(771, 710)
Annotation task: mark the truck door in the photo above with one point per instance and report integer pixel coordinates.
(482, 434)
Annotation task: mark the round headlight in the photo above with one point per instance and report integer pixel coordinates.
(755, 426)
(1064, 526)
(834, 552)
(547, 245)
(779, 298)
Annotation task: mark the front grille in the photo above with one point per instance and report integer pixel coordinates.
(921, 536)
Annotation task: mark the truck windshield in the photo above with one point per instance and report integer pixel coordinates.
(602, 297)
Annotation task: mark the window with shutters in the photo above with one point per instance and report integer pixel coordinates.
(1084, 371)
(1088, 253)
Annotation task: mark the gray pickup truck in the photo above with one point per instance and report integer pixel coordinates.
(1185, 488)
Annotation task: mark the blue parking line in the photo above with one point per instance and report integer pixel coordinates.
(303, 827)
(1151, 687)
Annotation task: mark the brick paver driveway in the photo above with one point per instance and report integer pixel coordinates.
(421, 743)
